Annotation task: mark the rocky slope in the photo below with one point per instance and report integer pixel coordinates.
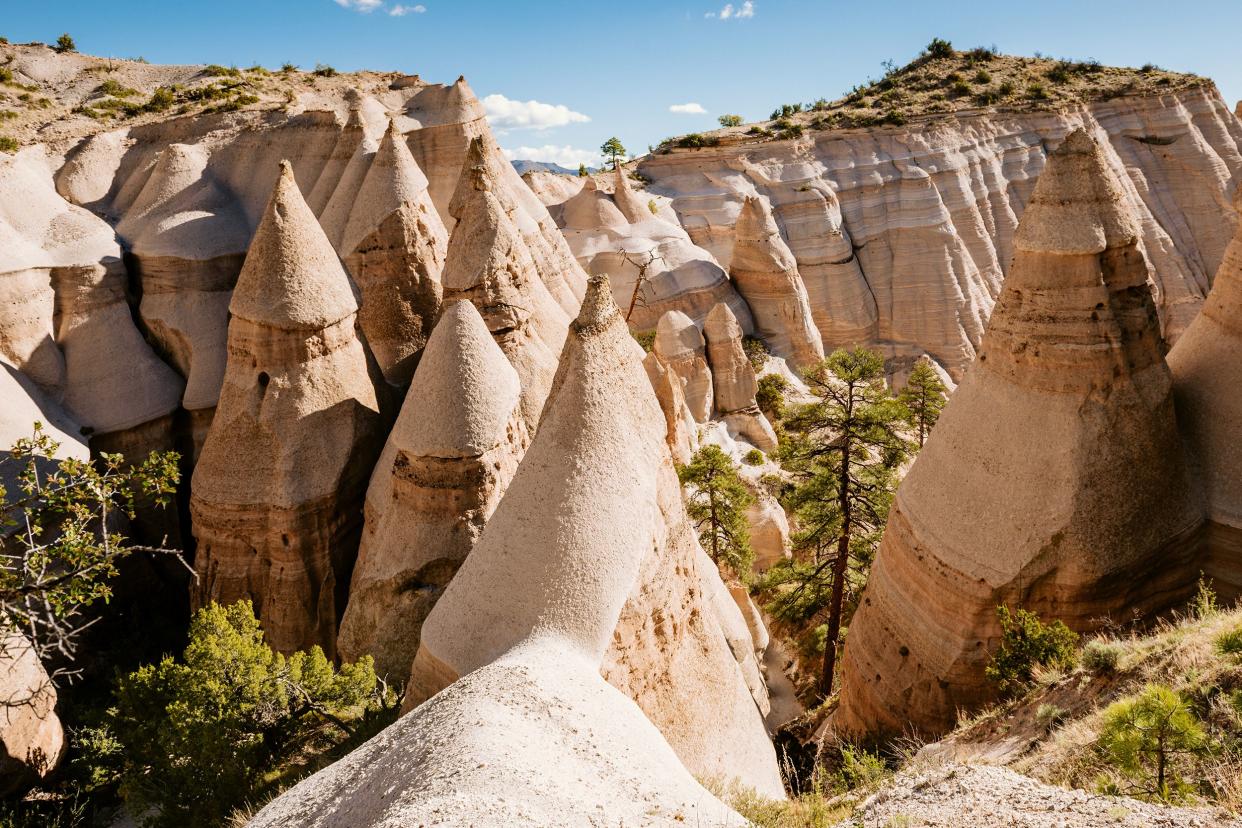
(903, 232)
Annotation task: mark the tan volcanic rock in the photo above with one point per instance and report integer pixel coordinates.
(733, 379)
(31, 736)
(450, 117)
(766, 274)
(452, 452)
(769, 530)
(1064, 436)
(1206, 364)
(609, 504)
(489, 264)
(277, 492)
(633, 207)
(680, 346)
(681, 432)
(395, 246)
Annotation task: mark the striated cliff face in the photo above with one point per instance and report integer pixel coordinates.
(903, 235)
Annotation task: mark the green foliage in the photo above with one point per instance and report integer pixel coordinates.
(217, 71)
(697, 141)
(716, 501)
(1101, 657)
(1049, 715)
(785, 110)
(646, 339)
(842, 453)
(730, 120)
(1204, 605)
(323, 70)
(1006, 88)
(1144, 735)
(1037, 92)
(58, 562)
(754, 457)
(982, 76)
(924, 397)
(198, 733)
(582, 171)
(1229, 643)
(771, 395)
(614, 150)
(859, 768)
(1059, 73)
(653, 207)
(115, 89)
(7, 115)
(162, 99)
(960, 89)
(1027, 643)
(65, 43)
(757, 351)
(287, 67)
(939, 48)
(6, 74)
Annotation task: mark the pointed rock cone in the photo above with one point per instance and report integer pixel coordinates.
(591, 209)
(766, 274)
(489, 264)
(554, 261)
(1054, 480)
(351, 137)
(395, 246)
(276, 501)
(589, 544)
(733, 379)
(682, 437)
(452, 452)
(451, 116)
(680, 346)
(1206, 364)
(628, 202)
(335, 214)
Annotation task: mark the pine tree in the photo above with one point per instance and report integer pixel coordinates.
(716, 501)
(842, 452)
(924, 397)
(614, 150)
(582, 171)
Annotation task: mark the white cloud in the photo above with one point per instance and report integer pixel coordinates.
(688, 109)
(401, 11)
(729, 12)
(503, 113)
(566, 156)
(364, 6)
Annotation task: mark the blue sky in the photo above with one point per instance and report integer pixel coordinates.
(600, 69)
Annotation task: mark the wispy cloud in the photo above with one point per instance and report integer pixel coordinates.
(730, 12)
(566, 156)
(688, 109)
(364, 6)
(368, 6)
(504, 113)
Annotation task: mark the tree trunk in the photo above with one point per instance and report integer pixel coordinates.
(839, 569)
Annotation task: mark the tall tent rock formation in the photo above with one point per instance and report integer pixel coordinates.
(590, 552)
(733, 379)
(1069, 498)
(448, 460)
(394, 245)
(1207, 373)
(766, 274)
(679, 345)
(490, 264)
(276, 495)
(681, 431)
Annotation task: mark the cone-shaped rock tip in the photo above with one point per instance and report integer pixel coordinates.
(598, 308)
(1078, 206)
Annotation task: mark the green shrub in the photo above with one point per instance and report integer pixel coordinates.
(6, 74)
(1006, 88)
(1230, 644)
(1204, 605)
(115, 89)
(161, 100)
(894, 117)
(1027, 643)
(859, 769)
(757, 351)
(939, 48)
(1146, 734)
(323, 70)
(1037, 92)
(217, 71)
(982, 76)
(1049, 715)
(730, 120)
(653, 207)
(785, 110)
(8, 145)
(65, 43)
(286, 68)
(1059, 73)
(960, 89)
(199, 733)
(258, 69)
(4, 41)
(1101, 657)
(7, 114)
(646, 339)
(770, 395)
(696, 141)
(754, 457)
